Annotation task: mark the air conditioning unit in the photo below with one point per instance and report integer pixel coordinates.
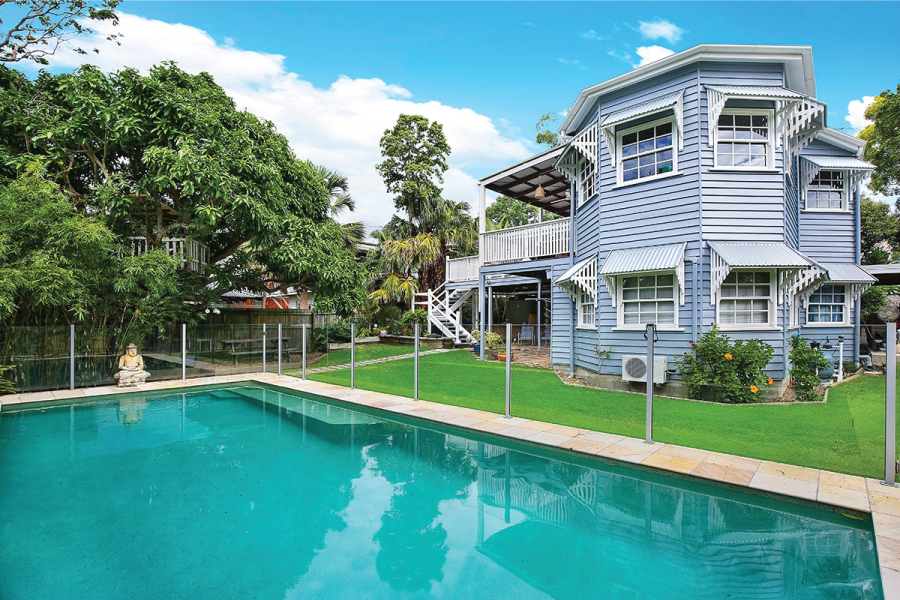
(634, 368)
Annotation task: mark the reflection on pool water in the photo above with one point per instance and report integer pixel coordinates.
(255, 493)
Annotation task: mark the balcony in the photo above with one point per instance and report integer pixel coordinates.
(193, 254)
(528, 242)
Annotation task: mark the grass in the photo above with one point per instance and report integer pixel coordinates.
(363, 353)
(845, 435)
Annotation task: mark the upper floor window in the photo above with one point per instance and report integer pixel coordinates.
(647, 151)
(827, 305)
(587, 309)
(744, 139)
(647, 299)
(827, 191)
(746, 300)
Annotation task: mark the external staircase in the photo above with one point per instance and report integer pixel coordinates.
(444, 308)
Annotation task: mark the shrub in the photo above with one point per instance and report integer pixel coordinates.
(6, 385)
(387, 314)
(407, 320)
(738, 369)
(805, 361)
(333, 333)
(491, 339)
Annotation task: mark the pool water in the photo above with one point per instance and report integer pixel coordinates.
(254, 493)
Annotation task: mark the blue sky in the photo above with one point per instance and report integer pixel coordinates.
(488, 69)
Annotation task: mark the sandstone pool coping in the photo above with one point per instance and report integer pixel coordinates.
(835, 489)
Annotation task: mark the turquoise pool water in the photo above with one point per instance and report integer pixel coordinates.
(252, 493)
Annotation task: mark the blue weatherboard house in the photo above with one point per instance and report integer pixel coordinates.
(704, 188)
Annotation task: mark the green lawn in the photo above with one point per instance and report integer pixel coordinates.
(845, 435)
(363, 353)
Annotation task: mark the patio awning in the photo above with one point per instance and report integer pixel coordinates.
(797, 116)
(652, 259)
(582, 276)
(673, 101)
(520, 181)
(763, 255)
(811, 165)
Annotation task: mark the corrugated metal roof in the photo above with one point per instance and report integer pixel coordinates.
(640, 260)
(759, 254)
(639, 110)
(840, 162)
(847, 273)
(757, 91)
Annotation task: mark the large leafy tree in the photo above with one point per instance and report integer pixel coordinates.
(883, 137)
(508, 212)
(545, 135)
(32, 30)
(169, 155)
(879, 231)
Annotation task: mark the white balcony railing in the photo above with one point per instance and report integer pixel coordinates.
(193, 254)
(527, 242)
(462, 269)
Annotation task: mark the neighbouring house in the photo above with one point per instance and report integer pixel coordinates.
(704, 188)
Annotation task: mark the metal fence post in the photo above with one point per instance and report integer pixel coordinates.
(650, 335)
(890, 405)
(352, 355)
(508, 365)
(840, 373)
(264, 348)
(416, 364)
(279, 348)
(303, 352)
(71, 357)
(183, 351)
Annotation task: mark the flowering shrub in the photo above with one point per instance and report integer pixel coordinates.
(805, 361)
(737, 369)
(491, 339)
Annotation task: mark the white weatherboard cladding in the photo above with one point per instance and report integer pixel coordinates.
(758, 255)
(856, 169)
(653, 259)
(674, 101)
(794, 113)
(582, 276)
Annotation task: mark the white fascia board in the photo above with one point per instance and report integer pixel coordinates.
(841, 140)
(797, 61)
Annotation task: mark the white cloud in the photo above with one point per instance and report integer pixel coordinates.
(856, 113)
(660, 29)
(339, 126)
(650, 54)
(574, 62)
(590, 34)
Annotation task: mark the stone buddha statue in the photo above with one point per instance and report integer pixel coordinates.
(131, 368)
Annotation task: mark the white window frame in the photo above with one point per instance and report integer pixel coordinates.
(846, 305)
(620, 159)
(586, 180)
(770, 142)
(772, 299)
(620, 301)
(584, 300)
(845, 193)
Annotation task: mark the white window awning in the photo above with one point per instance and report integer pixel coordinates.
(674, 101)
(795, 113)
(856, 169)
(727, 256)
(580, 277)
(849, 274)
(652, 259)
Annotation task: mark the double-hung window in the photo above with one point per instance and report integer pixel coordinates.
(587, 309)
(828, 304)
(647, 299)
(747, 299)
(647, 151)
(827, 191)
(744, 139)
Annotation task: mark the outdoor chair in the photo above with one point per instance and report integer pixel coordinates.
(526, 334)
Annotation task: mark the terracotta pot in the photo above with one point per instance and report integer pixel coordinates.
(502, 357)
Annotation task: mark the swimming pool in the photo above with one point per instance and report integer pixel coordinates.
(252, 492)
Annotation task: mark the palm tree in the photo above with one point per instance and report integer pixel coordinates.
(338, 188)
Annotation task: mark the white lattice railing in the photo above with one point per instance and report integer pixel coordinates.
(193, 254)
(462, 269)
(527, 242)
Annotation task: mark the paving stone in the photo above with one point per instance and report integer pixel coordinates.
(736, 462)
(723, 473)
(671, 463)
(844, 497)
(682, 452)
(624, 453)
(537, 425)
(888, 553)
(886, 525)
(563, 430)
(884, 504)
(601, 438)
(464, 421)
(890, 583)
(840, 480)
(515, 432)
(791, 471)
(582, 445)
(489, 426)
(551, 439)
(787, 486)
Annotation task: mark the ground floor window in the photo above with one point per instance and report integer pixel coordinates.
(746, 298)
(587, 309)
(827, 305)
(647, 299)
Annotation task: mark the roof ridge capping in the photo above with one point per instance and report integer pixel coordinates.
(797, 60)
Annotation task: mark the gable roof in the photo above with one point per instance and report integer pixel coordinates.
(797, 61)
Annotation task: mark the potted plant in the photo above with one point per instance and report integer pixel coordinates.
(492, 341)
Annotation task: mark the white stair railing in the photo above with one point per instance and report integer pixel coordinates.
(462, 269)
(441, 314)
